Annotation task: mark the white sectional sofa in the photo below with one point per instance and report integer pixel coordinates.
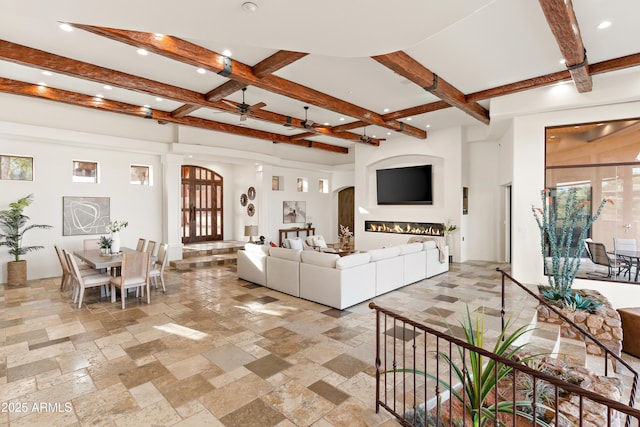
(340, 282)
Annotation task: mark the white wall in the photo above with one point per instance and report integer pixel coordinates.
(139, 205)
(443, 150)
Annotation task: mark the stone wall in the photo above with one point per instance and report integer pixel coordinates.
(604, 324)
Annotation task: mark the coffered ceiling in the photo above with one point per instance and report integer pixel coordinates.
(368, 71)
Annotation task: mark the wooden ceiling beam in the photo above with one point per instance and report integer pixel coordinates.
(404, 65)
(73, 98)
(198, 56)
(602, 67)
(564, 26)
(24, 55)
(263, 68)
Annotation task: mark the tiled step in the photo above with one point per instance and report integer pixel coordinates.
(196, 250)
(205, 261)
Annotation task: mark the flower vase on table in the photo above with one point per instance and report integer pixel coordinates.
(115, 242)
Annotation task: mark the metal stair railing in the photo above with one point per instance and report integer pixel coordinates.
(607, 352)
(402, 349)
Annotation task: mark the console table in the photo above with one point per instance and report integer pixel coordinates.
(286, 233)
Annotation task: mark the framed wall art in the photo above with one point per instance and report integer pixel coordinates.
(85, 215)
(294, 212)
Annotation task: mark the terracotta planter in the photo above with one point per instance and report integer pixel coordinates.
(17, 273)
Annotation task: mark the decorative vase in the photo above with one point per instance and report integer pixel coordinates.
(115, 242)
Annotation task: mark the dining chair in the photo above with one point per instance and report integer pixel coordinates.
(151, 247)
(157, 269)
(64, 265)
(142, 243)
(81, 281)
(134, 274)
(91, 244)
(599, 256)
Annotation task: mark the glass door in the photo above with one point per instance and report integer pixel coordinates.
(201, 209)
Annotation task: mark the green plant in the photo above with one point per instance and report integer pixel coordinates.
(564, 263)
(13, 225)
(481, 376)
(105, 242)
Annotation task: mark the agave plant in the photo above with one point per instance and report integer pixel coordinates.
(481, 375)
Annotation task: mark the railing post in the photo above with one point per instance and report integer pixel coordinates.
(377, 358)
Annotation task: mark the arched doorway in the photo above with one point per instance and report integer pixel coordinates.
(202, 209)
(346, 203)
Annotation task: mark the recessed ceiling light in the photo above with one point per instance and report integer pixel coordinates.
(66, 27)
(158, 36)
(249, 6)
(142, 52)
(342, 119)
(326, 123)
(107, 87)
(563, 61)
(47, 73)
(604, 24)
(201, 71)
(158, 99)
(99, 95)
(386, 110)
(428, 126)
(226, 53)
(42, 84)
(408, 119)
(388, 133)
(147, 106)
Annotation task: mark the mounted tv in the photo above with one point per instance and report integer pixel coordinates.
(410, 185)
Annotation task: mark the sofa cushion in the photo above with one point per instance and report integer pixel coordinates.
(384, 253)
(430, 244)
(293, 243)
(319, 258)
(284, 253)
(409, 248)
(353, 260)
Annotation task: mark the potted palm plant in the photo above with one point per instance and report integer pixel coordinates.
(13, 225)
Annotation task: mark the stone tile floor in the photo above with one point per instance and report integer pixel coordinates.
(214, 350)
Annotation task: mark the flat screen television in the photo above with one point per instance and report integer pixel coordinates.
(412, 185)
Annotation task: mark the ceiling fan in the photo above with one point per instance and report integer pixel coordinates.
(243, 108)
(366, 139)
(309, 124)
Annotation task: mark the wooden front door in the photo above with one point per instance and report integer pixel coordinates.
(201, 205)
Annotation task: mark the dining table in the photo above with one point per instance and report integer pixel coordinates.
(96, 259)
(633, 257)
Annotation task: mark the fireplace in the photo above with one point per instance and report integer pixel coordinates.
(398, 227)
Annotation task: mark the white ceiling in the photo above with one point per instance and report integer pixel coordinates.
(472, 44)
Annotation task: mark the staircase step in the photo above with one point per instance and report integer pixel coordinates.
(198, 250)
(205, 261)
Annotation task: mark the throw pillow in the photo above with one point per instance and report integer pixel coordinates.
(320, 242)
(295, 244)
(273, 245)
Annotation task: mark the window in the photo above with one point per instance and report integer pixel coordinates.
(603, 160)
(277, 183)
(141, 175)
(16, 168)
(302, 185)
(84, 171)
(323, 185)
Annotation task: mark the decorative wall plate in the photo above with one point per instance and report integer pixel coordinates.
(243, 199)
(252, 193)
(251, 209)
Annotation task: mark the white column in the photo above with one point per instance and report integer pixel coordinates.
(171, 201)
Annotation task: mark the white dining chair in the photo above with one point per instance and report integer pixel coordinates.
(134, 274)
(157, 269)
(142, 243)
(629, 245)
(82, 282)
